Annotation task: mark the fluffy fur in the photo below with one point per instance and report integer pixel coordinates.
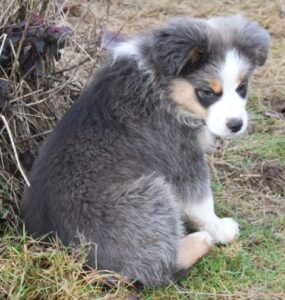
(125, 167)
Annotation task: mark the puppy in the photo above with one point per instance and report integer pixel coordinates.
(125, 167)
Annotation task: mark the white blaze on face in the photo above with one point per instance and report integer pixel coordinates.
(231, 105)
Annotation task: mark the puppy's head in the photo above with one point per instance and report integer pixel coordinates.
(209, 63)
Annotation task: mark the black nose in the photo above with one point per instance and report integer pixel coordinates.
(234, 125)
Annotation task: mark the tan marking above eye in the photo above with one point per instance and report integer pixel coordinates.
(183, 94)
(240, 79)
(216, 86)
(194, 55)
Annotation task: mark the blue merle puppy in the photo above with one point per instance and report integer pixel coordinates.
(125, 167)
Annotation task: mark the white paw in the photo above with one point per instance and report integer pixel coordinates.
(223, 231)
(204, 235)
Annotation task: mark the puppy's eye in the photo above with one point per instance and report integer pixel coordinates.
(242, 89)
(207, 95)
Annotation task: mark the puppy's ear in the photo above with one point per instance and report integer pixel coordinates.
(181, 45)
(255, 42)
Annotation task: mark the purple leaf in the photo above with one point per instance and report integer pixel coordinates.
(40, 41)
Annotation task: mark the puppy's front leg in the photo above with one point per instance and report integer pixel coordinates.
(202, 215)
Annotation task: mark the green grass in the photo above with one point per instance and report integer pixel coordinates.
(37, 270)
(267, 139)
(266, 146)
(267, 142)
(253, 263)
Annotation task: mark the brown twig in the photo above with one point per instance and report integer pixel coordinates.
(14, 149)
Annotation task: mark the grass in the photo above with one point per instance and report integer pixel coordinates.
(248, 175)
(267, 146)
(37, 270)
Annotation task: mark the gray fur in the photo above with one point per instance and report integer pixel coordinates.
(247, 36)
(119, 165)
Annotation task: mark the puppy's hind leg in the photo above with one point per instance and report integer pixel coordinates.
(143, 231)
(191, 248)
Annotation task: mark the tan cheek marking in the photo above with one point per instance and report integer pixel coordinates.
(216, 86)
(190, 250)
(183, 95)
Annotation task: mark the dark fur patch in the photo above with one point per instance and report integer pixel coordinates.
(178, 47)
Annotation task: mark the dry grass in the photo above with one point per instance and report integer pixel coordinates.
(248, 173)
(34, 104)
(37, 270)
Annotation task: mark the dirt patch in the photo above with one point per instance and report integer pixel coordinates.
(268, 176)
(273, 176)
(278, 105)
(259, 177)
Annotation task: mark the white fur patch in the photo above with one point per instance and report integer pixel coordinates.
(231, 105)
(202, 214)
(129, 48)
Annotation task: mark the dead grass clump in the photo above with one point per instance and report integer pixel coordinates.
(36, 84)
